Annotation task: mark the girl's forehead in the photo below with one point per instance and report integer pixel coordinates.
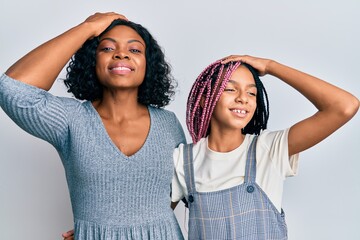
(242, 75)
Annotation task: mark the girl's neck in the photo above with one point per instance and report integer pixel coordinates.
(225, 142)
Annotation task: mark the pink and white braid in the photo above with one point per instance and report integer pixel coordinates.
(204, 94)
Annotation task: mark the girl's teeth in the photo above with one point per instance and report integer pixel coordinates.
(239, 111)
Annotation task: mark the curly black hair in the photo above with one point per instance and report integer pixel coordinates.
(156, 90)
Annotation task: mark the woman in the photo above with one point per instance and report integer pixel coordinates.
(117, 145)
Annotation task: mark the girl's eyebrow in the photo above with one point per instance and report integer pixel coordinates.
(130, 41)
(237, 83)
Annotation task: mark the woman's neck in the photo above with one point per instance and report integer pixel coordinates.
(119, 107)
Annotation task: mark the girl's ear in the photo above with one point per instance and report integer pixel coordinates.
(202, 102)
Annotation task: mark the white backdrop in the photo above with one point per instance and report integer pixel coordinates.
(320, 37)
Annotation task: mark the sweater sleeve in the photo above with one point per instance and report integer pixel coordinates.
(34, 110)
(178, 131)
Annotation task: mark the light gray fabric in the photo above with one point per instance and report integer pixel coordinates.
(113, 196)
(242, 212)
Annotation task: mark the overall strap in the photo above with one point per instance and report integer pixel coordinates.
(250, 169)
(189, 168)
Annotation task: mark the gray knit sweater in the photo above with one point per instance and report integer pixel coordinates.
(113, 196)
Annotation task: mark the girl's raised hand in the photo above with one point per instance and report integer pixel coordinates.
(98, 22)
(260, 64)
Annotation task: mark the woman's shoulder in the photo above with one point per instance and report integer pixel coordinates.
(70, 104)
(166, 122)
(161, 111)
(164, 116)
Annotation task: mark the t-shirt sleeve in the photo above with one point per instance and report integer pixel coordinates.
(34, 110)
(178, 185)
(276, 143)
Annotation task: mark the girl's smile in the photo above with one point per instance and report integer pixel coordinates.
(239, 112)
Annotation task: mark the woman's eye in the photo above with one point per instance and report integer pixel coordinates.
(135, 51)
(107, 49)
(252, 94)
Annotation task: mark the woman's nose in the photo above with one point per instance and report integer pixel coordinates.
(120, 54)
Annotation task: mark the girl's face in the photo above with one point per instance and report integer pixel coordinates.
(237, 103)
(120, 58)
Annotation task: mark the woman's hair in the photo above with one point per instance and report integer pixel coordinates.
(157, 88)
(206, 92)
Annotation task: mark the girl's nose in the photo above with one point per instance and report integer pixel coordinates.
(242, 98)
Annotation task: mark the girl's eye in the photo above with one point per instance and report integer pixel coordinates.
(252, 94)
(229, 90)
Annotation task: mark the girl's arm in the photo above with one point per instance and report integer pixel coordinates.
(335, 105)
(41, 66)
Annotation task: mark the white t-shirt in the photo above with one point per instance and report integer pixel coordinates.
(217, 171)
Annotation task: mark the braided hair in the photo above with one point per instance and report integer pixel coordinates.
(206, 92)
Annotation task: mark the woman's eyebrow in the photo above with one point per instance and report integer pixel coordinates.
(130, 41)
(135, 40)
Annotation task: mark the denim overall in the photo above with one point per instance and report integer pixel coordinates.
(240, 212)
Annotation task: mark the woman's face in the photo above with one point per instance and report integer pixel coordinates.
(237, 104)
(120, 58)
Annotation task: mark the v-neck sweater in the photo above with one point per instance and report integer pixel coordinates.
(113, 196)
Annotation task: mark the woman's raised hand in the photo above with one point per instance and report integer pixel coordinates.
(98, 22)
(55, 53)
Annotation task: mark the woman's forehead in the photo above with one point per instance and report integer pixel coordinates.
(122, 32)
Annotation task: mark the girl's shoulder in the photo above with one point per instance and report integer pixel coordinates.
(196, 149)
(268, 138)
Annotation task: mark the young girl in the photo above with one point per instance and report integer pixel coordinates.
(232, 175)
(116, 144)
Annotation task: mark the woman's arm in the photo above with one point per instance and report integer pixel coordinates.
(173, 205)
(335, 105)
(41, 66)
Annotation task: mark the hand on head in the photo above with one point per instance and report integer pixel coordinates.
(100, 21)
(260, 64)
